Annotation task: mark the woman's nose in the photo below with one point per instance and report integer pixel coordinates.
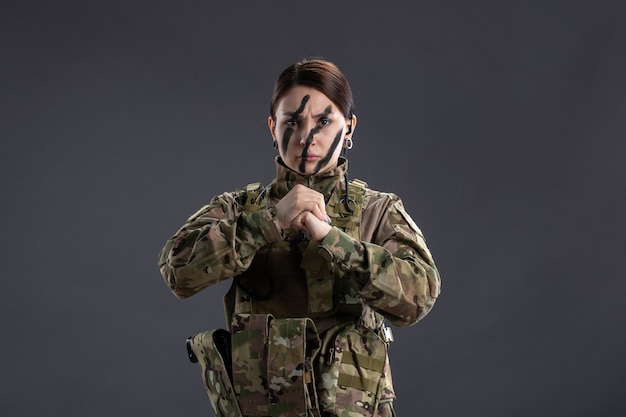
(306, 132)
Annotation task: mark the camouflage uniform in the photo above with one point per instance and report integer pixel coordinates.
(336, 293)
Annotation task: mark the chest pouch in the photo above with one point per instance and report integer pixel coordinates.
(264, 368)
(272, 368)
(354, 373)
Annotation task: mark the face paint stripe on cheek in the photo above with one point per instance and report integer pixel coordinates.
(322, 162)
(286, 137)
(309, 140)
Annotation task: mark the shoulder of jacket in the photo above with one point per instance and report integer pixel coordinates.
(380, 197)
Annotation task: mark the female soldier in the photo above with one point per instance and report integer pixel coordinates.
(318, 263)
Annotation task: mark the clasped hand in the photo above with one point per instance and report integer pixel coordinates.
(304, 209)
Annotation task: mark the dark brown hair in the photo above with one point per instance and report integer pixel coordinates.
(316, 73)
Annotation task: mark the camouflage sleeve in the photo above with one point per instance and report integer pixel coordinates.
(216, 243)
(396, 274)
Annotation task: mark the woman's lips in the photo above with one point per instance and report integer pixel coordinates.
(309, 157)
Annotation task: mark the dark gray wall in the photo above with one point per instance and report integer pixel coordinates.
(501, 124)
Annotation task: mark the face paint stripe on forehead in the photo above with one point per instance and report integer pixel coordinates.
(300, 109)
(328, 110)
(289, 131)
(322, 162)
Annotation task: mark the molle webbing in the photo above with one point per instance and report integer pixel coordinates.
(360, 362)
(348, 218)
(320, 284)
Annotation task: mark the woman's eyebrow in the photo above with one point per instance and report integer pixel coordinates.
(296, 114)
(328, 110)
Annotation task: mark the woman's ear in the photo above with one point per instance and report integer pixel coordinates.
(351, 124)
(272, 126)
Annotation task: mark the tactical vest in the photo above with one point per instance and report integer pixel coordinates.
(285, 329)
(279, 282)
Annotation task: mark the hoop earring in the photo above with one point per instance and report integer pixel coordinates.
(348, 144)
(275, 144)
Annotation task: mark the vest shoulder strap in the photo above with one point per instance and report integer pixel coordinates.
(347, 215)
(253, 197)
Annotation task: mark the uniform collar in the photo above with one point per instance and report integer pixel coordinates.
(324, 183)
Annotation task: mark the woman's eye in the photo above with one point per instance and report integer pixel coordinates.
(325, 122)
(292, 122)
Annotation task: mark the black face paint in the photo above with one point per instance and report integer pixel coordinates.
(322, 162)
(286, 137)
(309, 139)
(289, 130)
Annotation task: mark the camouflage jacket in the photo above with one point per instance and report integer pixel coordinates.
(389, 269)
(373, 264)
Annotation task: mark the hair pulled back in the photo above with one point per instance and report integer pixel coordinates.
(316, 73)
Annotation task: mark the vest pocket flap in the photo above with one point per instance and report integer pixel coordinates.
(354, 374)
(291, 345)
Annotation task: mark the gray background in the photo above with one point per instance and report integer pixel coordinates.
(500, 123)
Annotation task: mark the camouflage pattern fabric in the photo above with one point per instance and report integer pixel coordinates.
(272, 367)
(215, 370)
(291, 346)
(354, 373)
(349, 283)
(249, 350)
